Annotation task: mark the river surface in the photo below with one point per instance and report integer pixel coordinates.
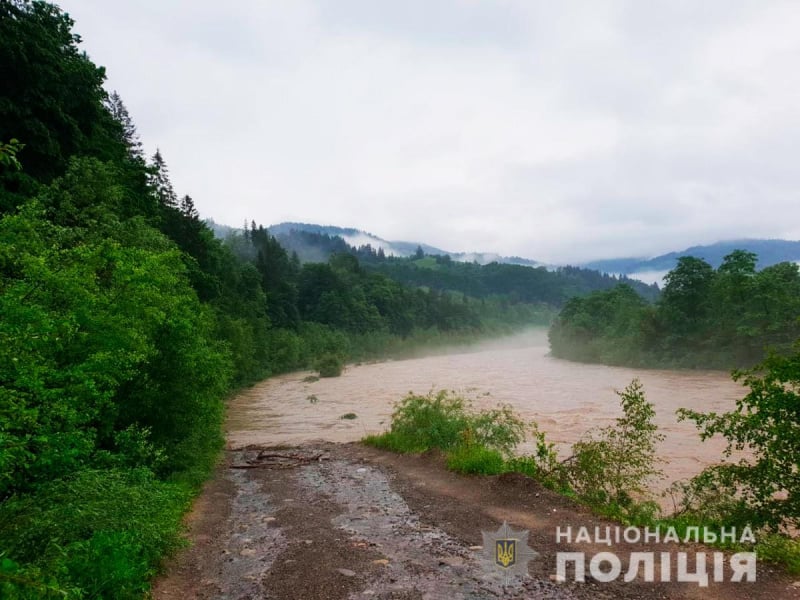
(565, 398)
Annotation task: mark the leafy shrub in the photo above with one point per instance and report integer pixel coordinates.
(285, 350)
(319, 340)
(709, 499)
(100, 532)
(444, 421)
(616, 462)
(28, 583)
(766, 486)
(543, 464)
(780, 549)
(329, 365)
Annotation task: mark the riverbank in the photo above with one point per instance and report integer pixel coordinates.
(334, 521)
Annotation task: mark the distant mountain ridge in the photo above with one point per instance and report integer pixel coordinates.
(769, 252)
(357, 237)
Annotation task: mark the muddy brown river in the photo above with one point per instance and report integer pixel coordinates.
(566, 399)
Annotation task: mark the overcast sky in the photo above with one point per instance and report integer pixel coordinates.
(559, 131)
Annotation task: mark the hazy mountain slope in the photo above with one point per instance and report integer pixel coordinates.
(769, 252)
(357, 237)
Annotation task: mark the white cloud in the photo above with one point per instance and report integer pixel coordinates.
(556, 131)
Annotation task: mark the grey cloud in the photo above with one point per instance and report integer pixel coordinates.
(561, 131)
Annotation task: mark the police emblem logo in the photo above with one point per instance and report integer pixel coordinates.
(505, 553)
(507, 550)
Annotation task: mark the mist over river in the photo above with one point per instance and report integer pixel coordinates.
(565, 398)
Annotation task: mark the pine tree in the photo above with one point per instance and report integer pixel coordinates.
(188, 209)
(159, 180)
(130, 136)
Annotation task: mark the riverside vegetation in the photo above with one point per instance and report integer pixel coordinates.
(610, 469)
(705, 318)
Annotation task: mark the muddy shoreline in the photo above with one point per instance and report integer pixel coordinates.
(335, 521)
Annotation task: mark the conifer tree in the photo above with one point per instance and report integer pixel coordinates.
(159, 180)
(130, 136)
(188, 209)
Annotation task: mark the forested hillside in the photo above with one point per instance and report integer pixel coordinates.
(719, 318)
(513, 282)
(293, 232)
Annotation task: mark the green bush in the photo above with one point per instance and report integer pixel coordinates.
(766, 421)
(285, 350)
(319, 340)
(101, 532)
(615, 463)
(543, 464)
(444, 421)
(780, 549)
(329, 365)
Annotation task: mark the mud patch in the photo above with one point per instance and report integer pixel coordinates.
(335, 522)
(420, 559)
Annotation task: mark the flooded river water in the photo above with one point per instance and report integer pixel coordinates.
(565, 398)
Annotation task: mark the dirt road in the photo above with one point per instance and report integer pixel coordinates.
(335, 521)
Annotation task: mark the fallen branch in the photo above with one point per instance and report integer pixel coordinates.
(298, 457)
(274, 460)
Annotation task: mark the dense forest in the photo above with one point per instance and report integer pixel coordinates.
(515, 283)
(705, 318)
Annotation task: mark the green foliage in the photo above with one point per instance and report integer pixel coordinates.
(704, 318)
(100, 532)
(543, 464)
(445, 421)
(780, 549)
(474, 459)
(765, 422)
(90, 327)
(349, 416)
(615, 463)
(708, 499)
(602, 327)
(51, 99)
(513, 283)
(329, 365)
(8, 154)
(607, 469)
(29, 583)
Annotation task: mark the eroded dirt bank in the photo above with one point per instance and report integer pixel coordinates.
(336, 521)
